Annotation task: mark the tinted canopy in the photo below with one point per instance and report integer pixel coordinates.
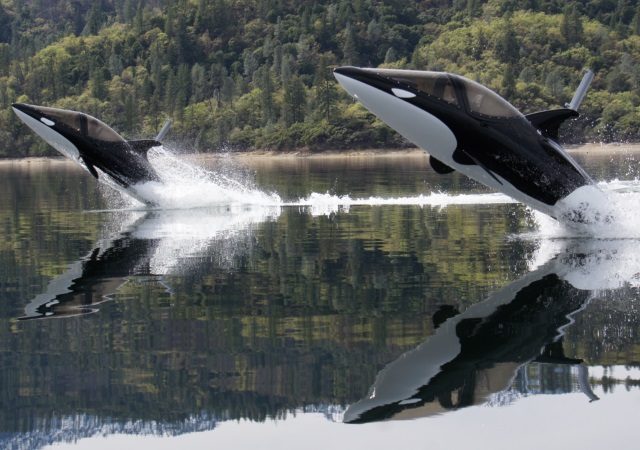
(481, 100)
(436, 84)
(484, 101)
(82, 123)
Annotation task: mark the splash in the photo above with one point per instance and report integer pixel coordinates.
(594, 264)
(600, 255)
(187, 186)
(616, 218)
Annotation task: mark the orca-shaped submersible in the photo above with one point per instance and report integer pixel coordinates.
(94, 145)
(467, 127)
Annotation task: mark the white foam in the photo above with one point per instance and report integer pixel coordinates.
(183, 234)
(187, 186)
(441, 199)
(325, 204)
(613, 217)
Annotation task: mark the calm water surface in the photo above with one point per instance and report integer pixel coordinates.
(363, 297)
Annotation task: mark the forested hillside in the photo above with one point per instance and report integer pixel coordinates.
(246, 74)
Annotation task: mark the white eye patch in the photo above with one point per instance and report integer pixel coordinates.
(401, 93)
(47, 122)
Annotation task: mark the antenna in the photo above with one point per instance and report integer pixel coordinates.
(582, 90)
(164, 130)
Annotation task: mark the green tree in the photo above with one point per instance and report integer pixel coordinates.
(507, 45)
(94, 20)
(98, 82)
(325, 92)
(199, 83)
(295, 101)
(267, 95)
(554, 84)
(390, 56)
(509, 82)
(350, 47)
(571, 27)
(5, 26)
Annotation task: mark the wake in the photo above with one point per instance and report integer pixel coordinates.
(187, 186)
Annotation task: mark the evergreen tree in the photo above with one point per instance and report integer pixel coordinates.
(635, 23)
(390, 56)
(350, 48)
(94, 20)
(554, 84)
(267, 93)
(98, 83)
(326, 94)
(170, 91)
(129, 11)
(507, 45)
(182, 87)
(5, 59)
(474, 8)
(199, 83)
(295, 101)
(5, 26)
(509, 82)
(571, 27)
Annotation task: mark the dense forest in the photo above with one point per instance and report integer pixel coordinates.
(256, 74)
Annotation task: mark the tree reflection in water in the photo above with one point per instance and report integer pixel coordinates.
(254, 313)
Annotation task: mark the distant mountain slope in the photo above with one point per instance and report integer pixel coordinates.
(257, 73)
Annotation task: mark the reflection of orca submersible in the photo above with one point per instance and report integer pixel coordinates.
(465, 126)
(475, 354)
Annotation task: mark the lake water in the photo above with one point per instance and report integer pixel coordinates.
(360, 302)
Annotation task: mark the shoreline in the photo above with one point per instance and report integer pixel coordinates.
(608, 149)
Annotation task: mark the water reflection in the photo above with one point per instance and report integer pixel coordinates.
(245, 314)
(469, 359)
(476, 354)
(151, 244)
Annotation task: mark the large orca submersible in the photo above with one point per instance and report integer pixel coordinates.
(467, 127)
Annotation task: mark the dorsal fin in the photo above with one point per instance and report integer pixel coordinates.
(142, 146)
(549, 121)
(553, 353)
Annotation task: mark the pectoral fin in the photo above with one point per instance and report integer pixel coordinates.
(439, 167)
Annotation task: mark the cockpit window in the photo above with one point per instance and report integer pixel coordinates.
(102, 131)
(482, 101)
(437, 84)
(485, 102)
(83, 123)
